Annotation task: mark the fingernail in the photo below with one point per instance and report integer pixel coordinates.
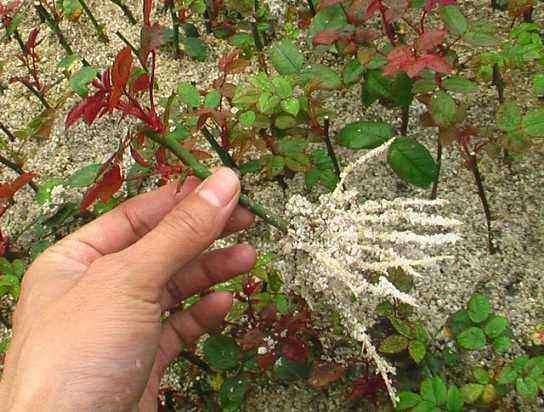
(219, 189)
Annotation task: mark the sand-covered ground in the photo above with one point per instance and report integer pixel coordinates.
(513, 277)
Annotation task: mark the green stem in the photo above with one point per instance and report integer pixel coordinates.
(98, 27)
(175, 28)
(202, 172)
(126, 11)
(330, 149)
(225, 156)
(45, 16)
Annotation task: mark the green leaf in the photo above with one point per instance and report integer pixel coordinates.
(291, 105)
(247, 119)
(454, 20)
(509, 117)
(443, 108)
(290, 145)
(322, 172)
(282, 87)
(328, 18)
(221, 352)
(69, 62)
(213, 99)
(402, 327)
(195, 48)
(321, 77)
(407, 400)
(401, 89)
(283, 122)
(85, 176)
(533, 123)
(471, 392)
(288, 370)
(479, 308)
(81, 79)
(393, 344)
(508, 374)
(459, 84)
(298, 162)
(282, 304)
(365, 135)
(268, 103)
(412, 162)
(481, 34)
(472, 339)
(45, 189)
(275, 165)
(538, 84)
(286, 58)
(454, 402)
(481, 375)
(495, 326)
(434, 390)
(353, 72)
(424, 86)
(375, 86)
(232, 393)
(527, 387)
(417, 350)
(189, 94)
(501, 344)
(425, 406)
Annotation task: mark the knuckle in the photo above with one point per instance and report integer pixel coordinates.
(193, 225)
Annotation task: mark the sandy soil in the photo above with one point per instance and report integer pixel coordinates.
(513, 277)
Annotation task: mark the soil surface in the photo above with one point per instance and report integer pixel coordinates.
(512, 277)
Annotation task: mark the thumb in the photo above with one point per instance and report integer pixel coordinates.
(189, 229)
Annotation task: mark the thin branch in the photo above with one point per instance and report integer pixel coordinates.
(36, 93)
(195, 360)
(330, 149)
(175, 28)
(8, 133)
(126, 11)
(17, 169)
(202, 172)
(225, 156)
(434, 191)
(498, 82)
(47, 18)
(97, 26)
(483, 198)
(311, 7)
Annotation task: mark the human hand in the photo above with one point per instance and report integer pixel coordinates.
(87, 328)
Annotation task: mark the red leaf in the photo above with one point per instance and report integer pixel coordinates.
(232, 62)
(366, 387)
(266, 361)
(374, 7)
(104, 189)
(294, 349)
(400, 58)
(151, 38)
(120, 71)
(138, 157)
(326, 37)
(430, 39)
(252, 339)
(431, 4)
(32, 37)
(11, 7)
(436, 63)
(148, 6)
(324, 374)
(140, 84)
(8, 190)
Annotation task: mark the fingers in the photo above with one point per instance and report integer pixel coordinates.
(207, 270)
(133, 219)
(182, 329)
(190, 227)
